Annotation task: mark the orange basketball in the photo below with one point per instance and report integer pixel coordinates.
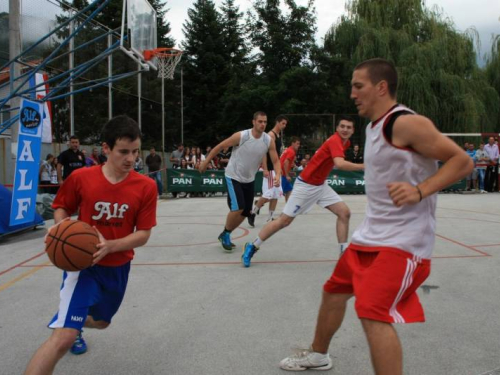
(71, 245)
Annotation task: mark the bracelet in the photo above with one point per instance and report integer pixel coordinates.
(419, 193)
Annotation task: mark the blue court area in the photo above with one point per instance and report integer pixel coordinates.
(191, 308)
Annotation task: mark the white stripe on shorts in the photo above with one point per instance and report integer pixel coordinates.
(411, 266)
(65, 294)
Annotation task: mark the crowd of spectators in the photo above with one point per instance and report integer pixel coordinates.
(484, 177)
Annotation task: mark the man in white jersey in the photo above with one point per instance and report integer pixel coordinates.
(249, 147)
(270, 193)
(389, 255)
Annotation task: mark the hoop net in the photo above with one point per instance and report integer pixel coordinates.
(166, 60)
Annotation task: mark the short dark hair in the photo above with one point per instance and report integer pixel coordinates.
(381, 70)
(294, 139)
(73, 137)
(280, 118)
(120, 127)
(258, 113)
(346, 118)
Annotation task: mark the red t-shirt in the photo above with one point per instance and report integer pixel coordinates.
(288, 154)
(116, 210)
(321, 164)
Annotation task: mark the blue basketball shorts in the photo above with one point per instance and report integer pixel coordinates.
(286, 185)
(240, 196)
(97, 291)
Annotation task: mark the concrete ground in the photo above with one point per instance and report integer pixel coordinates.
(192, 309)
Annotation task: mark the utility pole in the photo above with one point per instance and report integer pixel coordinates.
(14, 51)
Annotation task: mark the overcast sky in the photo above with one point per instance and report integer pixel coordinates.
(484, 15)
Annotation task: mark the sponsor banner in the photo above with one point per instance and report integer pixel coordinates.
(38, 94)
(188, 180)
(27, 163)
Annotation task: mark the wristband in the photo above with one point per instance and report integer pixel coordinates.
(419, 193)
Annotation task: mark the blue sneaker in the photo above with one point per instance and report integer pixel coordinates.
(248, 252)
(225, 240)
(79, 346)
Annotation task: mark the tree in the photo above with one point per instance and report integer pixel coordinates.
(206, 72)
(284, 40)
(439, 76)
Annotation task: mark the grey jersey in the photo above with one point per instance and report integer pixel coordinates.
(247, 156)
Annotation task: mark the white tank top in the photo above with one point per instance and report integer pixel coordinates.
(246, 158)
(408, 228)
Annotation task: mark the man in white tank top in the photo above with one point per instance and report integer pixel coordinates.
(249, 147)
(389, 256)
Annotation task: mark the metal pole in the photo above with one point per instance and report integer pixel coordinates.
(110, 74)
(71, 66)
(14, 51)
(163, 125)
(139, 92)
(182, 106)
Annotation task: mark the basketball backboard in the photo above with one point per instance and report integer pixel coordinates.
(138, 30)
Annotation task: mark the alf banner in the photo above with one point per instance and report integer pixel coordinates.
(27, 163)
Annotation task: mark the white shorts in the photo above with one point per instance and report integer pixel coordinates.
(304, 196)
(269, 191)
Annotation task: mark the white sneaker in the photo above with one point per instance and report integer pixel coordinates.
(306, 359)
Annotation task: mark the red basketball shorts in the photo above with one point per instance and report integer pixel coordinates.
(384, 282)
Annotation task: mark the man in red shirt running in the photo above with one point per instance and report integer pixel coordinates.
(287, 161)
(121, 204)
(311, 188)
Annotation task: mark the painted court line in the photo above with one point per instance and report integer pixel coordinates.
(22, 276)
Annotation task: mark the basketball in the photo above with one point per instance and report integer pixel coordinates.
(71, 245)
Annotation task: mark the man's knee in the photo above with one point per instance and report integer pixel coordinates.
(100, 324)
(284, 221)
(343, 212)
(62, 339)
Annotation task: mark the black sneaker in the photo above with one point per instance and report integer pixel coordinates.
(251, 220)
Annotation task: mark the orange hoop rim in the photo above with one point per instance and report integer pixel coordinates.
(161, 52)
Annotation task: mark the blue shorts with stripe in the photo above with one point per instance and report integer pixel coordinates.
(286, 185)
(97, 291)
(240, 196)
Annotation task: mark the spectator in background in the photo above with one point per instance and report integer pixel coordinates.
(95, 156)
(472, 178)
(53, 177)
(491, 179)
(187, 157)
(303, 164)
(198, 156)
(45, 173)
(138, 164)
(308, 158)
(176, 156)
(466, 146)
(355, 155)
(89, 162)
(70, 160)
(153, 161)
(102, 157)
(482, 162)
(224, 157)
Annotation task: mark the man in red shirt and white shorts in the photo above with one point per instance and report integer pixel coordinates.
(121, 204)
(310, 188)
(389, 256)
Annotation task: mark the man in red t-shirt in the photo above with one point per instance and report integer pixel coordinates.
(287, 161)
(310, 188)
(121, 204)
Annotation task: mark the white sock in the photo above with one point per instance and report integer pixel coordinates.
(257, 242)
(255, 209)
(271, 214)
(343, 246)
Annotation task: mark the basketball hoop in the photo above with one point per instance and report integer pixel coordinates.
(166, 60)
